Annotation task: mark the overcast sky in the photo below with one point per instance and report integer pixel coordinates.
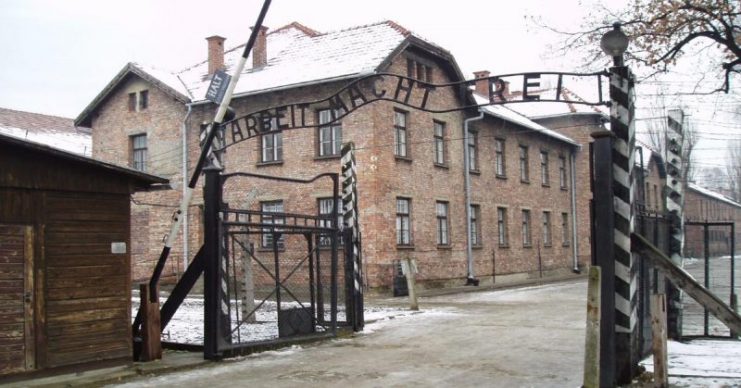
(57, 55)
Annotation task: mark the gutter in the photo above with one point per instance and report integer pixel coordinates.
(574, 221)
(186, 253)
(471, 279)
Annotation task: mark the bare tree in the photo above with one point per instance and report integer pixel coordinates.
(662, 32)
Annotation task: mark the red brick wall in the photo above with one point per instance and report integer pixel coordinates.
(381, 179)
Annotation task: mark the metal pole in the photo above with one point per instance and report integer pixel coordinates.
(706, 237)
(211, 287)
(467, 186)
(603, 250)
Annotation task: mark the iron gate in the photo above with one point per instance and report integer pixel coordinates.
(709, 253)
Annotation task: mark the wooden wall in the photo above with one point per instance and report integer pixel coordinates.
(82, 301)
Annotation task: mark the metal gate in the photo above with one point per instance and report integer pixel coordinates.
(710, 258)
(270, 275)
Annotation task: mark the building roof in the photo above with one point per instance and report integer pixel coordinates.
(296, 56)
(713, 194)
(505, 113)
(29, 146)
(570, 106)
(54, 131)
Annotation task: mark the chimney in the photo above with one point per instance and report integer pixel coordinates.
(482, 83)
(260, 49)
(215, 53)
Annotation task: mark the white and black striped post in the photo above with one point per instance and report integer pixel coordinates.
(614, 43)
(675, 206)
(350, 216)
(626, 280)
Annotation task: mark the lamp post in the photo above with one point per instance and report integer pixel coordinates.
(624, 282)
(614, 43)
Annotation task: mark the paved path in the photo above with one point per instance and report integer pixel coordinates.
(531, 337)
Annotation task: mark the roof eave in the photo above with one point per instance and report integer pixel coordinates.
(83, 119)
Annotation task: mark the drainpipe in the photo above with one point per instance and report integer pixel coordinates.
(467, 187)
(186, 254)
(574, 222)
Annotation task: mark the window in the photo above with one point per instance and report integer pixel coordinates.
(502, 227)
(403, 221)
(419, 70)
(325, 209)
(565, 228)
(329, 135)
(139, 152)
(562, 171)
(499, 157)
(656, 198)
(646, 195)
(547, 240)
(544, 178)
(400, 134)
(472, 154)
(527, 239)
(132, 102)
(475, 225)
(439, 142)
(138, 101)
(443, 234)
(267, 237)
(272, 147)
(143, 99)
(524, 173)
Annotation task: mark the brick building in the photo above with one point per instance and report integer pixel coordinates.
(526, 217)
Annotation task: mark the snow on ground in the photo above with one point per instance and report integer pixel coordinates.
(186, 326)
(703, 363)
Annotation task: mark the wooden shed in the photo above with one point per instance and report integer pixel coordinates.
(65, 294)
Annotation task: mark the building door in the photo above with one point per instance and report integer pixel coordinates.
(16, 299)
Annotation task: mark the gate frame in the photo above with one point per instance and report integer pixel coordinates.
(217, 322)
(706, 240)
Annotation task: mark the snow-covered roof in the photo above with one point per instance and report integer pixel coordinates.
(26, 146)
(713, 194)
(296, 56)
(505, 113)
(540, 110)
(54, 131)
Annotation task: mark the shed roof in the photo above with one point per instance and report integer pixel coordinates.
(712, 194)
(142, 178)
(54, 131)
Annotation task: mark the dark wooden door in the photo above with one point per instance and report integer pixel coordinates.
(16, 299)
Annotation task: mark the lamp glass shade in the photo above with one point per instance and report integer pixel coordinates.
(614, 42)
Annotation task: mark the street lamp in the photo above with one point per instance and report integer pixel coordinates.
(614, 43)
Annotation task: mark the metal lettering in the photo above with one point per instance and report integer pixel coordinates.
(407, 89)
(412, 93)
(374, 81)
(526, 84)
(355, 94)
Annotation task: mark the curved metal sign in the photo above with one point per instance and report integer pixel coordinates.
(435, 98)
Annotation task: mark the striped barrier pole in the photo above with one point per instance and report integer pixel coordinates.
(675, 208)
(350, 218)
(626, 281)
